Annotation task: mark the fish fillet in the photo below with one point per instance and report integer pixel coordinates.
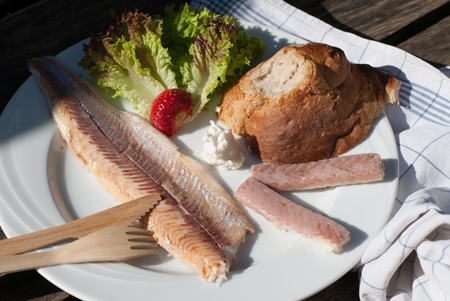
(346, 170)
(129, 158)
(291, 216)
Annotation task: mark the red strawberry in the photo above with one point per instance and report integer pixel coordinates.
(170, 110)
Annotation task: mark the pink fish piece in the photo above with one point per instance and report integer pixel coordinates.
(291, 216)
(346, 170)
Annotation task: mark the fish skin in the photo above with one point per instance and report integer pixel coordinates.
(338, 171)
(291, 216)
(184, 179)
(110, 144)
(90, 147)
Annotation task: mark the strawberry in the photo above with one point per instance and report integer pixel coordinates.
(170, 109)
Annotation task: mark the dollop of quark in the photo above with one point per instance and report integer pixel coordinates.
(221, 148)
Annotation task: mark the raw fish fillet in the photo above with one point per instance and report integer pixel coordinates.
(346, 170)
(291, 216)
(129, 158)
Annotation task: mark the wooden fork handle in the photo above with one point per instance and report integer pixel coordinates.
(29, 261)
(100, 247)
(36, 240)
(24, 262)
(121, 215)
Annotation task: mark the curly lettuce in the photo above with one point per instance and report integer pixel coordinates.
(139, 56)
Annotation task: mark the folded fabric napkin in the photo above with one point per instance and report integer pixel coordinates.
(410, 258)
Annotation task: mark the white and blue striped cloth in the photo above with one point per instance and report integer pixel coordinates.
(410, 258)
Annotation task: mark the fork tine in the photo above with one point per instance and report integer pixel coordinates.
(140, 235)
(109, 244)
(144, 247)
(141, 252)
(140, 232)
(141, 239)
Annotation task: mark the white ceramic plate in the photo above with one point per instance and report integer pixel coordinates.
(271, 264)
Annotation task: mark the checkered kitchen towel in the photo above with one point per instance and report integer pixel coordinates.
(410, 258)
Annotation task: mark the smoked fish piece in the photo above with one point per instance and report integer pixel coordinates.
(345, 170)
(291, 216)
(176, 231)
(129, 159)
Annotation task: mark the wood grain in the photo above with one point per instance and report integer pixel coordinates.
(378, 19)
(36, 30)
(121, 215)
(30, 28)
(110, 244)
(374, 19)
(436, 35)
(410, 25)
(30, 285)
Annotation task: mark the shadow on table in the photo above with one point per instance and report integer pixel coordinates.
(29, 285)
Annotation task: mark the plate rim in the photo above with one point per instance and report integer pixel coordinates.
(52, 274)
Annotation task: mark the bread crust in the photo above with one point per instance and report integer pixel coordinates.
(306, 103)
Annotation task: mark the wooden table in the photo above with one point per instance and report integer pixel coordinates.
(32, 28)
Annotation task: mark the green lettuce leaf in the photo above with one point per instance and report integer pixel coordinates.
(138, 56)
(211, 52)
(128, 57)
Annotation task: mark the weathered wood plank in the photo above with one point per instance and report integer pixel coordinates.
(379, 19)
(26, 27)
(8, 7)
(407, 24)
(26, 32)
(375, 19)
(29, 285)
(347, 286)
(436, 35)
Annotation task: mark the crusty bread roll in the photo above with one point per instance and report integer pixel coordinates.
(306, 103)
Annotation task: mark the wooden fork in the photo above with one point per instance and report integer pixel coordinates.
(108, 244)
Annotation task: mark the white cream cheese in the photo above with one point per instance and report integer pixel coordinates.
(221, 148)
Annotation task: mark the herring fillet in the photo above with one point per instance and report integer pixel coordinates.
(291, 216)
(129, 158)
(187, 240)
(345, 170)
